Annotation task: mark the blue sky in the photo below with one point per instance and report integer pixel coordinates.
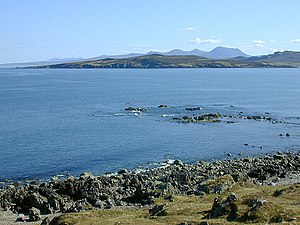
(34, 30)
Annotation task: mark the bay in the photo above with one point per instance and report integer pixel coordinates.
(70, 121)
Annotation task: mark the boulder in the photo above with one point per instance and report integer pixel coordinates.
(86, 175)
(56, 201)
(35, 200)
(122, 171)
(178, 162)
(34, 214)
(158, 210)
(217, 186)
(227, 206)
(80, 205)
(46, 221)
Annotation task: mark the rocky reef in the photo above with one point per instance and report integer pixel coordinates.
(211, 117)
(181, 114)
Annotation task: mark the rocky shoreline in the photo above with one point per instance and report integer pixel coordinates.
(138, 189)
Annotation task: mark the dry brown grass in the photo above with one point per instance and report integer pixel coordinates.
(194, 209)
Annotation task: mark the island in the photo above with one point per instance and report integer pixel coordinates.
(287, 59)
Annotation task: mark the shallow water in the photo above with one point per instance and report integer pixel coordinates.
(69, 121)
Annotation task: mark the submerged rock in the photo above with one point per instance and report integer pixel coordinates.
(163, 106)
(132, 109)
(193, 108)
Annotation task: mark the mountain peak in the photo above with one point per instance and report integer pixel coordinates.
(176, 51)
(225, 53)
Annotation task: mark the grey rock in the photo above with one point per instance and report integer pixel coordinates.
(122, 171)
(54, 179)
(80, 205)
(34, 214)
(226, 207)
(100, 204)
(158, 210)
(178, 162)
(217, 186)
(109, 203)
(278, 156)
(46, 221)
(36, 200)
(85, 176)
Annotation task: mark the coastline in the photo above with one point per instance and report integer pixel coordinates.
(140, 189)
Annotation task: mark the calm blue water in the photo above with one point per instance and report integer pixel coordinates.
(69, 121)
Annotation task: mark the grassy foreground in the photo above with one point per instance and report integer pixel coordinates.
(281, 205)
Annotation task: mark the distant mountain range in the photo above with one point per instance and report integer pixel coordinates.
(276, 60)
(217, 53)
(220, 57)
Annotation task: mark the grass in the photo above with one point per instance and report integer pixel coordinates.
(283, 206)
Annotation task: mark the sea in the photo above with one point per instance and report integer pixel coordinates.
(68, 121)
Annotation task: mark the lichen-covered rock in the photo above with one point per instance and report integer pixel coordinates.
(217, 186)
(227, 206)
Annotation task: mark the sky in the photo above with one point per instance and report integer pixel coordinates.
(37, 30)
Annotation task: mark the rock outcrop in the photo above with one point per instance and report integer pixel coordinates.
(134, 189)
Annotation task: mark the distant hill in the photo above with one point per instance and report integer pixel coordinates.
(64, 60)
(40, 63)
(278, 58)
(116, 56)
(163, 61)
